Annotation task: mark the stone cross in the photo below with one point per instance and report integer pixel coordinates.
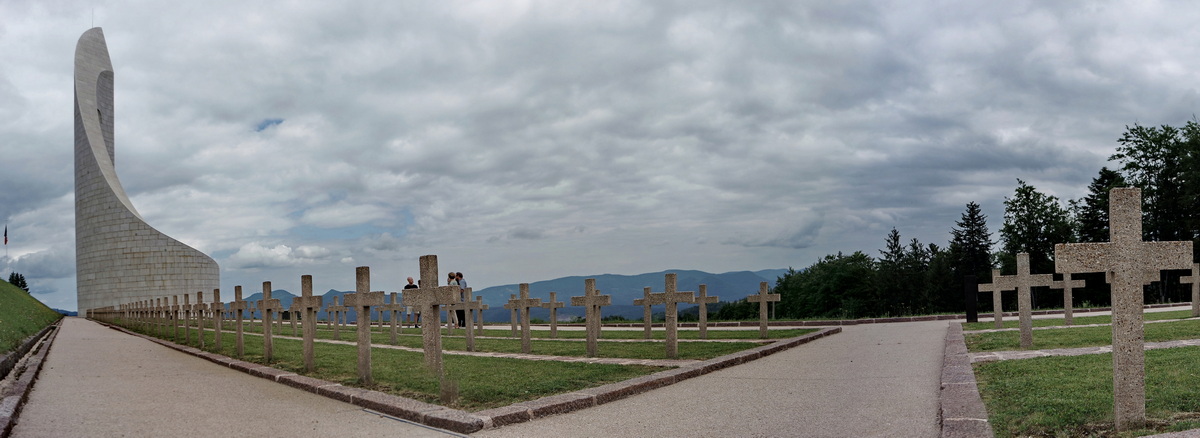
(361, 301)
(512, 313)
(1068, 285)
(198, 309)
(702, 301)
(268, 306)
(308, 304)
(523, 304)
(762, 298)
(175, 318)
(428, 299)
(470, 307)
(1024, 282)
(998, 285)
(646, 312)
(1131, 263)
(553, 306)
(187, 319)
(237, 306)
(479, 314)
(393, 308)
(592, 301)
(217, 310)
(672, 299)
(293, 315)
(337, 311)
(1195, 288)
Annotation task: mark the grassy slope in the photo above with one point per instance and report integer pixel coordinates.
(21, 315)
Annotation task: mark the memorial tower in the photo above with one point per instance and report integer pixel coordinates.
(118, 257)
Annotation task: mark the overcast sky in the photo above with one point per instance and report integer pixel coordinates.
(525, 141)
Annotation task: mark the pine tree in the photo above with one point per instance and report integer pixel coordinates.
(971, 245)
(1091, 212)
(18, 280)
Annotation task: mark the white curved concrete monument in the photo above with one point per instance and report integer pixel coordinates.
(118, 257)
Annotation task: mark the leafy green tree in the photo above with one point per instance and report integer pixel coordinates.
(1158, 160)
(837, 286)
(18, 280)
(1033, 222)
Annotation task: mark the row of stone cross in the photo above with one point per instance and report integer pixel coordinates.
(427, 301)
(1129, 263)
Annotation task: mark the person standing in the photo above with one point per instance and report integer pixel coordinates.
(451, 316)
(462, 295)
(412, 285)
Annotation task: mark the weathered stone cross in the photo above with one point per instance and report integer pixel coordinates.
(1130, 263)
(1068, 286)
(513, 317)
(524, 303)
(592, 301)
(175, 318)
(479, 314)
(308, 304)
(1195, 288)
(646, 314)
(361, 301)
(553, 306)
(187, 319)
(702, 301)
(268, 307)
(762, 298)
(394, 308)
(998, 285)
(198, 309)
(238, 306)
(1024, 282)
(293, 315)
(338, 312)
(470, 307)
(672, 299)
(428, 299)
(218, 309)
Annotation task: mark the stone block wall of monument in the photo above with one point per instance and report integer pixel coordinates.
(119, 258)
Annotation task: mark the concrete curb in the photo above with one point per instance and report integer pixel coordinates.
(467, 422)
(961, 411)
(15, 396)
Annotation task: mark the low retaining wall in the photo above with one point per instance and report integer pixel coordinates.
(15, 396)
(468, 422)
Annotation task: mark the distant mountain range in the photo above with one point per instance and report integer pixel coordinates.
(729, 287)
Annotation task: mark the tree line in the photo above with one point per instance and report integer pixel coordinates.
(912, 278)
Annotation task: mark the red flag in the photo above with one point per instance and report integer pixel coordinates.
(6, 235)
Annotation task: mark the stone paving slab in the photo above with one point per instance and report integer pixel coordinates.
(101, 382)
(1029, 354)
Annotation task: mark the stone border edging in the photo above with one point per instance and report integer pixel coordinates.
(466, 422)
(15, 397)
(961, 410)
(837, 322)
(10, 359)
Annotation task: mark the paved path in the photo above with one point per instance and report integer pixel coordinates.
(876, 380)
(100, 382)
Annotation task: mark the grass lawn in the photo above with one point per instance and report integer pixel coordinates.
(411, 337)
(1072, 396)
(483, 383)
(21, 316)
(1077, 320)
(1078, 337)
